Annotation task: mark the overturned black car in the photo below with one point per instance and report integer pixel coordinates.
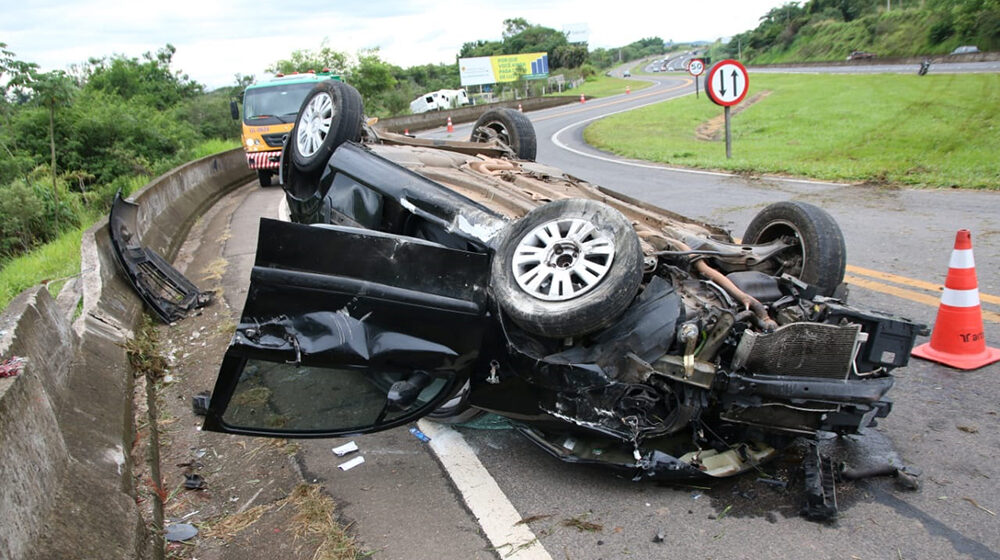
(443, 278)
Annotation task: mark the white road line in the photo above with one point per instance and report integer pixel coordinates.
(483, 496)
(555, 140)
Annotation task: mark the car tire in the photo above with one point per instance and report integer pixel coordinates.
(591, 248)
(820, 254)
(264, 177)
(510, 127)
(330, 115)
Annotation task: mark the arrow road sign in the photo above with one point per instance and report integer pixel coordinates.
(696, 67)
(727, 83)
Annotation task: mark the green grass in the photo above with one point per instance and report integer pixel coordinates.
(214, 146)
(605, 86)
(51, 263)
(59, 260)
(934, 131)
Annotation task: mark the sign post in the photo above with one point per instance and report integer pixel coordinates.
(726, 84)
(696, 67)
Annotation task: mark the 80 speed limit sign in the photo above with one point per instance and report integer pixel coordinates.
(727, 82)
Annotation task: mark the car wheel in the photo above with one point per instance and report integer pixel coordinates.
(330, 115)
(455, 410)
(567, 268)
(819, 254)
(510, 127)
(264, 177)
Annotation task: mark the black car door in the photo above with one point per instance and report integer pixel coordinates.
(348, 331)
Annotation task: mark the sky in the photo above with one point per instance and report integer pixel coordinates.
(217, 40)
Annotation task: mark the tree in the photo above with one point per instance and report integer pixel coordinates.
(513, 26)
(53, 89)
(150, 78)
(372, 77)
(304, 60)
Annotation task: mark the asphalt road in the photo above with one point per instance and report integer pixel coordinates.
(944, 422)
(403, 504)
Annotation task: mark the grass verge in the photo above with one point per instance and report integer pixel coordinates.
(59, 260)
(604, 86)
(933, 131)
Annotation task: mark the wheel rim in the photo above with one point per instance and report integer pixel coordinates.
(314, 125)
(488, 131)
(793, 259)
(562, 259)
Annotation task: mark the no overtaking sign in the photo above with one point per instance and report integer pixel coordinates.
(727, 83)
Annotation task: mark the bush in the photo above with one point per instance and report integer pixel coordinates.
(23, 214)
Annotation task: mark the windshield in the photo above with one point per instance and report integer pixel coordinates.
(275, 101)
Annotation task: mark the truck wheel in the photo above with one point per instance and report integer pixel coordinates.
(264, 177)
(567, 268)
(510, 127)
(819, 254)
(330, 115)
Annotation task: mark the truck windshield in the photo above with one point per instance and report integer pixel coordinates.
(279, 101)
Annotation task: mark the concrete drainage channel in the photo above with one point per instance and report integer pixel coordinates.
(66, 409)
(67, 415)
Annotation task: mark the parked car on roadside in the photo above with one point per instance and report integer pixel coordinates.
(432, 278)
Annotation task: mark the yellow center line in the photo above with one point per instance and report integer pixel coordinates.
(903, 293)
(912, 282)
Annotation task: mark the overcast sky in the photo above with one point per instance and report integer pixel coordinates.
(216, 40)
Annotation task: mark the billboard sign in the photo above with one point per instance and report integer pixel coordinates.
(503, 68)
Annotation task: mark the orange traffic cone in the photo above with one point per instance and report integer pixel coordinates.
(582, 99)
(628, 90)
(519, 109)
(451, 127)
(958, 339)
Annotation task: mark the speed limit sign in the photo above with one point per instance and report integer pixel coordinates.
(696, 67)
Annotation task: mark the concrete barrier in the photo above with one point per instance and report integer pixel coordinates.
(66, 420)
(436, 119)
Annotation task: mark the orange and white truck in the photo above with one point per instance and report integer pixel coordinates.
(269, 111)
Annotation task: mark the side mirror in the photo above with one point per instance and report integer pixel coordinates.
(234, 110)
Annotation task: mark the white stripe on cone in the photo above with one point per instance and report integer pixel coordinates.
(960, 298)
(962, 258)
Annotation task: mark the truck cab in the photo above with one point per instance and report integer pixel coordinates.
(269, 111)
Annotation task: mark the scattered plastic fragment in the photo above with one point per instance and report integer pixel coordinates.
(419, 435)
(200, 402)
(180, 532)
(348, 465)
(194, 481)
(773, 482)
(342, 450)
(12, 366)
